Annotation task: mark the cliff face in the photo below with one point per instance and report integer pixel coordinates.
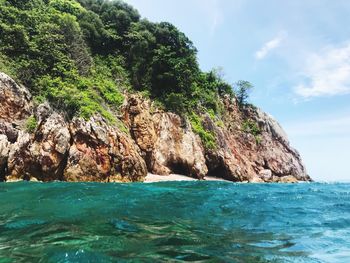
(158, 142)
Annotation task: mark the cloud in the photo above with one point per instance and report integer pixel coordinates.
(326, 73)
(269, 46)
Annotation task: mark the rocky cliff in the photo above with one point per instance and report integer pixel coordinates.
(59, 148)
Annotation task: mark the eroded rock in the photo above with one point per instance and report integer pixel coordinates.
(15, 100)
(177, 149)
(80, 150)
(169, 145)
(41, 155)
(241, 156)
(102, 153)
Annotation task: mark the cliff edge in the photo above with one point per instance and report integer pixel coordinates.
(39, 143)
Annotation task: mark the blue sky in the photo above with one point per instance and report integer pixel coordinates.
(297, 55)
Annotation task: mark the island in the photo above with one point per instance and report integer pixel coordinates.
(92, 92)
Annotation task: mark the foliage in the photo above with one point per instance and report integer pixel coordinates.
(82, 54)
(5, 66)
(206, 136)
(83, 95)
(31, 124)
(243, 88)
(250, 126)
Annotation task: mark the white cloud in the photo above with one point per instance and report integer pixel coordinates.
(326, 73)
(268, 47)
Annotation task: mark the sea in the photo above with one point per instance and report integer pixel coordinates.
(174, 222)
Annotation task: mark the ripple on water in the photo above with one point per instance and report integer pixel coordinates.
(174, 221)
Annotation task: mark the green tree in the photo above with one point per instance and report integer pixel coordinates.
(81, 54)
(243, 88)
(141, 43)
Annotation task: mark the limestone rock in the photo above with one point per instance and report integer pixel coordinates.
(102, 153)
(160, 142)
(287, 179)
(41, 155)
(226, 160)
(137, 115)
(275, 150)
(168, 144)
(241, 157)
(266, 175)
(177, 149)
(9, 131)
(15, 100)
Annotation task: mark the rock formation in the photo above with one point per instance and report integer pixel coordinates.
(58, 149)
(159, 142)
(102, 153)
(168, 144)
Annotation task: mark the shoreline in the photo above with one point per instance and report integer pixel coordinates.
(150, 178)
(154, 178)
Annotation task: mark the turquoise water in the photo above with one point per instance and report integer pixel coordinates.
(174, 221)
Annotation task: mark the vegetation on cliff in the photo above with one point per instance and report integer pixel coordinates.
(82, 55)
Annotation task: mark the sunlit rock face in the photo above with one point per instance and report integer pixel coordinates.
(15, 100)
(41, 155)
(167, 141)
(244, 157)
(170, 146)
(240, 156)
(59, 148)
(102, 153)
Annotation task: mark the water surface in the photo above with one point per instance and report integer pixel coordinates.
(174, 221)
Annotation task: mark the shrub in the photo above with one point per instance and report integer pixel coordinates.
(31, 124)
(207, 137)
(250, 126)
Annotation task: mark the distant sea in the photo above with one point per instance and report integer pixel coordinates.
(174, 221)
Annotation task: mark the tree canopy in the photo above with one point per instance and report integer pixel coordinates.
(243, 88)
(81, 55)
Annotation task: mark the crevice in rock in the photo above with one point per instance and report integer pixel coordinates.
(3, 171)
(177, 167)
(217, 168)
(219, 172)
(62, 166)
(35, 170)
(147, 157)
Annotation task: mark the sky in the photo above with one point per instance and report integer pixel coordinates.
(296, 53)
